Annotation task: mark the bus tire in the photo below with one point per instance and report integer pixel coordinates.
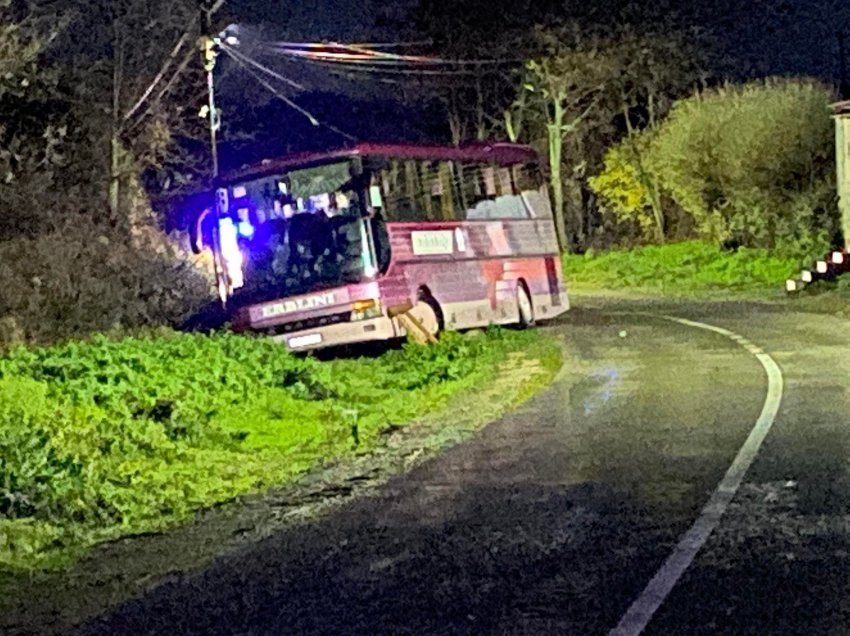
(525, 309)
(427, 316)
(428, 311)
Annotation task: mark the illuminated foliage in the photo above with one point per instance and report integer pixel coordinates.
(110, 437)
(621, 188)
(689, 267)
(749, 164)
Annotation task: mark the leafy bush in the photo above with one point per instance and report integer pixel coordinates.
(34, 474)
(84, 277)
(71, 266)
(750, 164)
(453, 358)
(620, 186)
(739, 159)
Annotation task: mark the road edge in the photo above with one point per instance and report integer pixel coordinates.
(642, 610)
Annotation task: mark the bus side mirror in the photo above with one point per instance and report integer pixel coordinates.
(196, 231)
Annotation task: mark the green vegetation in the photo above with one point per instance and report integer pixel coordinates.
(113, 437)
(682, 268)
(825, 297)
(751, 164)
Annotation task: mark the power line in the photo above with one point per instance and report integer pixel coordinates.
(378, 70)
(354, 53)
(168, 86)
(159, 76)
(374, 65)
(244, 59)
(214, 8)
(310, 117)
(364, 45)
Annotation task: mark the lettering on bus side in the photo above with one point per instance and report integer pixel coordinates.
(432, 242)
(298, 304)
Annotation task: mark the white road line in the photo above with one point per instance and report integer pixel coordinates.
(654, 594)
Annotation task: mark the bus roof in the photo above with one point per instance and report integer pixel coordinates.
(504, 154)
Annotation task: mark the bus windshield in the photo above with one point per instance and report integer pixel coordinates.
(297, 232)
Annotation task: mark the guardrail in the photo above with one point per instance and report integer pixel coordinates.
(832, 266)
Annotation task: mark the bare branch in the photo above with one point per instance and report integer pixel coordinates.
(159, 76)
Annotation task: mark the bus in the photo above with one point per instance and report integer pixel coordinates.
(357, 244)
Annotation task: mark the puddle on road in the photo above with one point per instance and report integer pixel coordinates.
(660, 413)
(590, 394)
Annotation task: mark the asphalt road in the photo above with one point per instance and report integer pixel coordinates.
(554, 519)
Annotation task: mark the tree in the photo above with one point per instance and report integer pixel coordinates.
(568, 80)
(68, 266)
(623, 189)
(750, 165)
(34, 121)
(587, 89)
(137, 83)
(653, 70)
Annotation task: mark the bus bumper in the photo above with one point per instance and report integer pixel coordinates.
(380, 328)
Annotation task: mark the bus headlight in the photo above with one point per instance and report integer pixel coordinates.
(365, 309)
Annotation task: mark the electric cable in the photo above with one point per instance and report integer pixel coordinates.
(237, 55)
(364, 45)
(159, 76)
(354, 53)
(310, 117)
(370, 68)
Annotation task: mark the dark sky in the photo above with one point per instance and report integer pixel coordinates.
(344, 20)
(760, 37)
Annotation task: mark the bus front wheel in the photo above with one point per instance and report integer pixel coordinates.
(427, 316)
(524, 307)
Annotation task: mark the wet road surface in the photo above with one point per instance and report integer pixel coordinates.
(553, 519)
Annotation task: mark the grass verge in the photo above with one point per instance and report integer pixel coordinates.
(831, 297)
(681, 269)
(54, 601)
(106, 439)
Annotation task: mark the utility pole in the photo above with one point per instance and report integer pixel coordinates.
(209, 44)
(843, 86)
(208, 48)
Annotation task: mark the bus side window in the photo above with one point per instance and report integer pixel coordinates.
(443, 191)
(486, 191)
(401, 184)
(532, 187)
(381, 239)
(472, 190)
(416, 191)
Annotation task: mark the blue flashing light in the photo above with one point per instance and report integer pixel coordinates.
(245, 229)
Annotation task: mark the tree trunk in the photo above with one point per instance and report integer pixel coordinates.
(511, 128)
(579, 228)
(555, 175)
(114, 176)
(646, 180)
(455, 119)
(480, 112)
(114, 139)
(455, 128)
(514, 118)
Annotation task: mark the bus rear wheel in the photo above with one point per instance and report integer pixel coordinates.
(524, 307)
